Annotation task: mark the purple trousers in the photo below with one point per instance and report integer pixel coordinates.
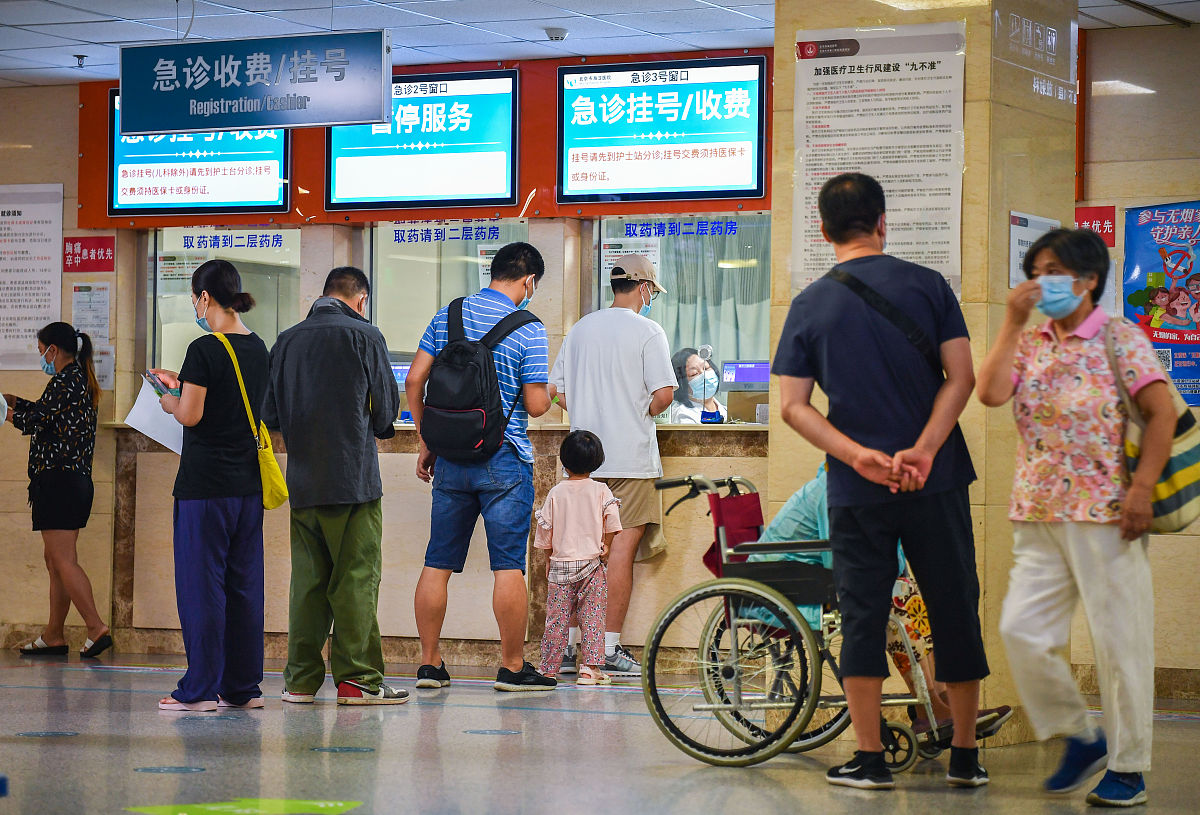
(219, 589)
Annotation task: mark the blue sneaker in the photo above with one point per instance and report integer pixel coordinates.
(1118, 790)
(1080, 762)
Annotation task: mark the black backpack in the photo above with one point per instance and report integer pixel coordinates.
(464, 417)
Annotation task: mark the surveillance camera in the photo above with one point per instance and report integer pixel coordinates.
(556, 34)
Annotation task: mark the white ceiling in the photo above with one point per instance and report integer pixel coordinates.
(39, 39)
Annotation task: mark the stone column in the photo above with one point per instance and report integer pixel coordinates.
(1019, 156)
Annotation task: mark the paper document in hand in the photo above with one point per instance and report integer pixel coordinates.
(147, 417)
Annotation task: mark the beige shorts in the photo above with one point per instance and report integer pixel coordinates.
(641, 505)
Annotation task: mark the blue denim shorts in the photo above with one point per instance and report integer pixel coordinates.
(501, 490)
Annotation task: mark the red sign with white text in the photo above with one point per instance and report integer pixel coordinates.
(91, 254)
(1101, 220)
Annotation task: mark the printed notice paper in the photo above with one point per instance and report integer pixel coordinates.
(30, 269)
(887, 102)
(147, 418)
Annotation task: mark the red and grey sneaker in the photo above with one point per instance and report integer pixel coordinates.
(352, 693)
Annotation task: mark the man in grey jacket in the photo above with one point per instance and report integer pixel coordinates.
(332, 393)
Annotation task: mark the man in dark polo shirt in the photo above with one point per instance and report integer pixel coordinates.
(898, 464)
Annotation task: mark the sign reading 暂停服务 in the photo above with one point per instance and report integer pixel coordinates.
(305, 80)
(451, 140)
(654, 131)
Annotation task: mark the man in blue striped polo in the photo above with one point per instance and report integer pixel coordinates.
(501, 488)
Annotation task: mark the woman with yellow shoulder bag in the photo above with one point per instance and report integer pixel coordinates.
(219, 498)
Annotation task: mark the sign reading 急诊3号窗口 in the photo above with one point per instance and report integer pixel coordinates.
(308, 80)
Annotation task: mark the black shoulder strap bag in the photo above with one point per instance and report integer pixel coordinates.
(907, 325)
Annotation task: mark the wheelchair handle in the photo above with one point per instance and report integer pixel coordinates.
(699, 484)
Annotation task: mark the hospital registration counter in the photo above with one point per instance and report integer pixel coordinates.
(145, 615)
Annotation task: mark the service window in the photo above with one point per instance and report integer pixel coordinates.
(420, 266)
(716, 268)
(267, 259)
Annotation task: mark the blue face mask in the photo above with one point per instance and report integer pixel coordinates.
(1058, 296)
(645, 309)
(704, 387)
(47, 366)
(202, 321)
(525, 303)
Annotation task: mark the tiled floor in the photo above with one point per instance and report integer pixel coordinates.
(465, 749)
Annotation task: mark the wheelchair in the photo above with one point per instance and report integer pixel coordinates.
(732, 672)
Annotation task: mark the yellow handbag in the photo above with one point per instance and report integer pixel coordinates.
(274, 488)
(1175, 499)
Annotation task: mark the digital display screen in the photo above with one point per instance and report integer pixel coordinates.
(400, 371)
(750, 375)
(452, 141)
(684, 129)
(193, 173)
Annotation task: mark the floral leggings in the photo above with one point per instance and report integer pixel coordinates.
(589, 599)
(909, 606)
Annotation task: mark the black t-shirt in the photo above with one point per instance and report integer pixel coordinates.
(220, 456)
(880, 387)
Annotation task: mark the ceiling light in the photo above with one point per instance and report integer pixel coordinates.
(1118, 87)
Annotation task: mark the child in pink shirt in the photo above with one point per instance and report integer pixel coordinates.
(577, 524)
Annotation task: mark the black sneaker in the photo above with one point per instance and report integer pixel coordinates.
(866, 771)
(965, 769)
(524, 680)
(431, 677)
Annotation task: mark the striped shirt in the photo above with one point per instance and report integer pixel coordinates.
(523, 357)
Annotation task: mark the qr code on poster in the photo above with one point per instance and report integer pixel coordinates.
(1164, 357)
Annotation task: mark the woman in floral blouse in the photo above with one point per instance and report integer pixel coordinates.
(63, 426)
(1080, 521)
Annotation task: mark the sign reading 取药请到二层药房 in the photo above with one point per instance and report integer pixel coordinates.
(308, 80)
(685, 129)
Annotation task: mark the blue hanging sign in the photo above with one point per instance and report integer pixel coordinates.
(452, 141)
(306, 80)
(684, 129)
(1162, 286)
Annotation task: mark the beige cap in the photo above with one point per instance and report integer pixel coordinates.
(636, 267)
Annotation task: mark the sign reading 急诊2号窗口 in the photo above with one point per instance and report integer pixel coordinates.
(308, 80)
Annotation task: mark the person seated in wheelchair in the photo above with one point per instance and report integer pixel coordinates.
(805, 516)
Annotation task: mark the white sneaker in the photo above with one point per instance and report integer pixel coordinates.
(621, 663)
(298, 698)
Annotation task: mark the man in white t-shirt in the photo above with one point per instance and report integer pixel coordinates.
(613, 374)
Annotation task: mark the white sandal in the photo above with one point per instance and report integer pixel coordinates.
(590, 676)
(171, 703)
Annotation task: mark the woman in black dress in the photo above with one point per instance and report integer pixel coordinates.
(62, 423)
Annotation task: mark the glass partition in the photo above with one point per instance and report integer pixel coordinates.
(267, 259)
(420, 266)
(716, 268)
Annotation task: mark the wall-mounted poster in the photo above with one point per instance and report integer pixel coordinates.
(1162, 286)
(887, 102)
(31, 239)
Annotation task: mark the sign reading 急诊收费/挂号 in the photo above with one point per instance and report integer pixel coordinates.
(307, 80)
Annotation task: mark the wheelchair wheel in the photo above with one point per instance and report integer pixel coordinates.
(831, 716)
(899, 747)
(928, 750)
(726, 672)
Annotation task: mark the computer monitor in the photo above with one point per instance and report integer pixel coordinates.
(400, 371)
(746, 375)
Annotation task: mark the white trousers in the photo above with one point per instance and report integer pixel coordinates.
(1055, 565)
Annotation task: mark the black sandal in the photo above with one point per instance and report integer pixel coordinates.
(39, 648)
(95, 649)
